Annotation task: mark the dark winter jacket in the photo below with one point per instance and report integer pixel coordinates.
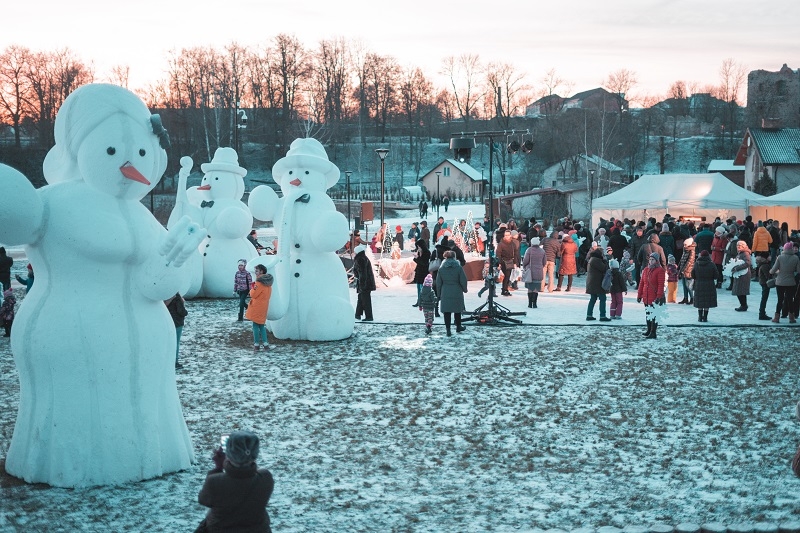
(427, 298)
(238, 498)
(635, 245)
(667, 242)
(422, 260)
(703, 240)
(7, 309)
(5, 268)
(362, 270)
(618, 243)
(177, 310)
(596, 267)
(618, 281)
(552, 248)
(652, 247)
(451, 284)
(705, 275)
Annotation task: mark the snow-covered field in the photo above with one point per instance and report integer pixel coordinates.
(557, 423)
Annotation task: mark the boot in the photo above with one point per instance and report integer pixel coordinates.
(777, 318)
(691, 301)
(535, 299)
(653, 331)
(699, 315)
(649, 329)
(436, 311)
(459, 329)
(449, 333)
(558, 287)
(763, 316)
(569, 284)
(530, 299)
(792, 319)
(684, 301)
(705, 315)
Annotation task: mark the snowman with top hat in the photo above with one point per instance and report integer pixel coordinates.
(310, 296)
(93, 343)
(216, 205)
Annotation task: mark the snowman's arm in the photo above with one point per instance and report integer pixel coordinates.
(164, 273)
(21, 208)
(264, 203)
(328, 231)
(233, 222)
(183, 206)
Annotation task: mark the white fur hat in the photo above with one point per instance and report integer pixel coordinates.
(225, 159)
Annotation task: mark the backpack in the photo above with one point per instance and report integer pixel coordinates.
(607, 278)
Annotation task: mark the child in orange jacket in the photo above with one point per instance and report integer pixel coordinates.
(259, 305)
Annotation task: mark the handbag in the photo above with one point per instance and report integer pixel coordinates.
(771, 283)
(434, 265)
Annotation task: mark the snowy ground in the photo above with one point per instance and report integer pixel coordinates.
(554, 424)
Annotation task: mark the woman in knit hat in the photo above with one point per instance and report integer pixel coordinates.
(236, 490)
(651, 290)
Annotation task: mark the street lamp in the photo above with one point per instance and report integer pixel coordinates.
(591, 191)
(347, 184)
(438, 194)
(240, 123)
(382, 152)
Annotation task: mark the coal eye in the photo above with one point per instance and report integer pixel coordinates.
(111, 150)
(290, 172)
(306, 171)
(142, 152)
(217, 178)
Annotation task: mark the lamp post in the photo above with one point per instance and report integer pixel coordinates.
(347, 185)
(591, 192)
(382, 152)
(438, 194)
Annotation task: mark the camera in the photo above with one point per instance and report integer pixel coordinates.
(223, 440)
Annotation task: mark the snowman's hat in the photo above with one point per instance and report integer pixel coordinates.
(308, 154)
(225, 159)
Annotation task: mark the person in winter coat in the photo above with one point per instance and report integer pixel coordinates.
(552, 251)
(365, 283)
(762, 271)
(568, 265)
(705, 276)
(7, 311)
(507, 254)
(730, 253)
(177, 310)
(703, 239)
(618, 287)
(666, 241)
(617, 242)
(761, 241)
(28, 282)
(236, 490)
(242, 283)
(451, 284)
(741, 282)
(719, 245)
(685, 270)
(533, 265)
(427, 302)
(5, 269)
(652, 246)
(422, 258)
(259, 306)
(635, 243)
(596, 267)
(672, 280)
(651, 291)
(786, 266)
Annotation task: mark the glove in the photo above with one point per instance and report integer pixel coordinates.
(638, 300)
(661, 301)
(218, 458)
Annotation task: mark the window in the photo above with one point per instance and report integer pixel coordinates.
(446, 171)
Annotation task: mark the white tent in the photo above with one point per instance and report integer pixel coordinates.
(784, 206)
(695, 195)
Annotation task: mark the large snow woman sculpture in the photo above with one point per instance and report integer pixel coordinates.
(310, 298)
(93, 342)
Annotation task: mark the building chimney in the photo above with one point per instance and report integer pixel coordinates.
(771, 123)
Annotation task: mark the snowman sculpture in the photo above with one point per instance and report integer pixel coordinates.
(310, 298)
(93, 342)
(216, 205)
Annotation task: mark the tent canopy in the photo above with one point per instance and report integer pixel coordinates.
(786, 198)
(708, 195)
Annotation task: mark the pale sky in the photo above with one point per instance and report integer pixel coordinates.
(583, 40)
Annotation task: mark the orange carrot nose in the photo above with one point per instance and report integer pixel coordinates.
(130, 172)
(204, 188)
(295, 182)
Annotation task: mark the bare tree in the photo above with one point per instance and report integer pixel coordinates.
(120, 75)
(330, 83)
(383, 77)
(464, 75)
(416, 93)
(14, 86)
(732, 76)
(620, 84)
